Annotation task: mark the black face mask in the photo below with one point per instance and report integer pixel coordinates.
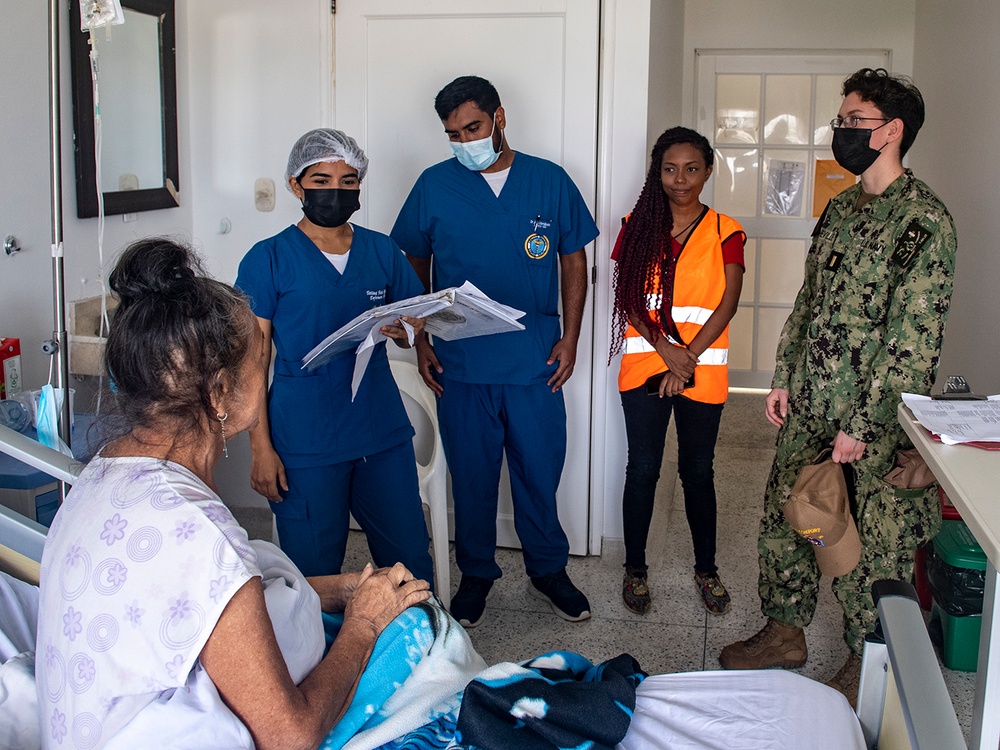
(851, 149)
(330, 207)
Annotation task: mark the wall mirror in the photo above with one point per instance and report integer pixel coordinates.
(137, 93)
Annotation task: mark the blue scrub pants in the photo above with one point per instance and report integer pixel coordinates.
(478, 423)
(382, 492)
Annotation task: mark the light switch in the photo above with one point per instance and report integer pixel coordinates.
(263, 194)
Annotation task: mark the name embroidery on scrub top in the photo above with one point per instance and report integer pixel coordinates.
(376, 295)
(537, 245)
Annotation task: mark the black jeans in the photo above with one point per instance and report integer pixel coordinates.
(646, 421)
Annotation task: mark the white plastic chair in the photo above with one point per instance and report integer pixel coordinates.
(432, 469)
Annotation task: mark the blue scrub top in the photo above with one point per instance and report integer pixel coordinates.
(290, 282)
(509, 247)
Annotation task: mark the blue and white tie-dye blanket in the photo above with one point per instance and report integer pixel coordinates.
(426, 688)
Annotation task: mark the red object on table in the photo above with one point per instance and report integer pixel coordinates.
(10, 367)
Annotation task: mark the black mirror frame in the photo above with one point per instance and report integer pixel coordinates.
(127, 201)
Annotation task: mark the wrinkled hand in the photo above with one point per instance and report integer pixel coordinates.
(672, 384)
(383, 594)
(776, 406)
(398, 334)
(428, 364)
(267, 474)
(564, 352)
(847, 450)
(679, 360)
(335, 591)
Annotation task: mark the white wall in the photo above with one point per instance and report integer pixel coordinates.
(258, 76)
(666, 61)
(957, 68)
(795, 24)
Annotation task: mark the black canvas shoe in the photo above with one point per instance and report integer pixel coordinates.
(469, 603)
(566, 600)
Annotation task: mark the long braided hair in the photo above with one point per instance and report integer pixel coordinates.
(645, 254)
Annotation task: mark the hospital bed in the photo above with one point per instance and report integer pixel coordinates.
(903, 701)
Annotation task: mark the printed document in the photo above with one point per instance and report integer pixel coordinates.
(956, 421)
(451, 314)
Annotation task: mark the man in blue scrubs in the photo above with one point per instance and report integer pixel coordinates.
(515, 226)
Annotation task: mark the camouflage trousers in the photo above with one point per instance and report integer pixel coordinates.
(892, 523)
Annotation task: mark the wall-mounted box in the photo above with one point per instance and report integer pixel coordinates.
(86, 345)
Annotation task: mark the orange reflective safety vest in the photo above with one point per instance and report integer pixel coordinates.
(699, 283)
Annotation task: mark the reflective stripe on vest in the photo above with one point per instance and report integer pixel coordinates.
(639, 345)
(681, 314)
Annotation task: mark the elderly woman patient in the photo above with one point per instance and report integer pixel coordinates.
(160, 623)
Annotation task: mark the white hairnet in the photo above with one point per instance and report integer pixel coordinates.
(325, 144)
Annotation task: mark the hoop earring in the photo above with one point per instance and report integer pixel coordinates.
(222, 423)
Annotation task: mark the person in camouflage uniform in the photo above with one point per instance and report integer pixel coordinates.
(867, 325)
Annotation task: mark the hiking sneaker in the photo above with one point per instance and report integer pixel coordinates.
(566, 600)
(848, 679)
(469, 603)
(635, 591)
(713, 593)
(776, 645)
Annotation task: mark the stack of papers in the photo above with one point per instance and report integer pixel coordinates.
(957, 421)
(453, 313)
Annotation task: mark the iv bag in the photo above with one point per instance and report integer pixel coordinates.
(97, 13)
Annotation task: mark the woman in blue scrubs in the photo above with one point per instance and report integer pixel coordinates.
(318, 455)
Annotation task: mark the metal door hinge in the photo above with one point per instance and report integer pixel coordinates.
(333, 7)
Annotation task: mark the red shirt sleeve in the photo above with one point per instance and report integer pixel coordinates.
(732, 249)
(616, 251)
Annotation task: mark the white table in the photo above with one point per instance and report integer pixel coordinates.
(971, 477)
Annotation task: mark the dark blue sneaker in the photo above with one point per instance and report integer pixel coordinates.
(566, 600)
(469, 603)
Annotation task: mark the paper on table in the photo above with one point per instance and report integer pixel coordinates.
(957, 421)
(453, 313)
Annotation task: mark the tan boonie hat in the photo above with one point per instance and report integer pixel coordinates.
(819, 510)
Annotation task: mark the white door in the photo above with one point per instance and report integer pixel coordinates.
(768, 115)
(393, 56)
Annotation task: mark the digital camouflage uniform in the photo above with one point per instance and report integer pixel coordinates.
(867, 325)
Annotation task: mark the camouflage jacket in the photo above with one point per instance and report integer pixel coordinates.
(869, 319)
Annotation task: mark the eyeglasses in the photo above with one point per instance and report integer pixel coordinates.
(851, 121)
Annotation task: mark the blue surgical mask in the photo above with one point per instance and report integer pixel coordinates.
(47, 421)
(477, 155)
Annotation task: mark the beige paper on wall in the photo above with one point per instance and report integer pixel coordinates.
(831, 179)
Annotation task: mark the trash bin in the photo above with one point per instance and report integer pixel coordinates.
(920, 583)
(956, 573)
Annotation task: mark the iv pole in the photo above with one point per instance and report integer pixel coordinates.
(59, 335)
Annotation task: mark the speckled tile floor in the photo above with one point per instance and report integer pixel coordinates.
(678, 634)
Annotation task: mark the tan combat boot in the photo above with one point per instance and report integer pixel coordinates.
(848, 679)
(776, 645)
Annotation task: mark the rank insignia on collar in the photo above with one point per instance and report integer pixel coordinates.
(833, 262)
(910, 242)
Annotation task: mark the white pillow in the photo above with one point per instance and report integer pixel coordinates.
(18, 616)
(19, 724)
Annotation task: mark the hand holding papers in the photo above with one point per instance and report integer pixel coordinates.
(957, 421)
(453, 313)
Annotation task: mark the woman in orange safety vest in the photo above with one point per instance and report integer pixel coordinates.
(677, 284)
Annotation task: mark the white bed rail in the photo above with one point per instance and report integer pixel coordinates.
(24, 537)
(916, 685)
(33, 453)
